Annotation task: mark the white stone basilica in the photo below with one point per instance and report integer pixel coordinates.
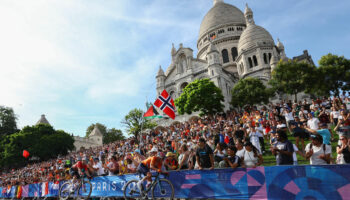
(230, 47)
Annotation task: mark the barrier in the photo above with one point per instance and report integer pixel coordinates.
(277, 182)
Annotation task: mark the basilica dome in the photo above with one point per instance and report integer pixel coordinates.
(252, 35)
(221, 14)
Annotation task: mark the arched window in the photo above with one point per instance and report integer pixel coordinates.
(255, 61)
(265, 58)
(250, 62)
(212, 72)
(270, 55)
(225, 58)
(234, 53)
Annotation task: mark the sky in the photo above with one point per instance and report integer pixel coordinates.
(82, 61)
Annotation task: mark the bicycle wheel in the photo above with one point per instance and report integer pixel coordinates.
(84, 190)
(131, 191)
(64, 192)
(163, 189)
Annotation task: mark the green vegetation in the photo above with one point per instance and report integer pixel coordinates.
(41, 141)
(200, 95)
(134, 122)
(250, 91)
(293, 77)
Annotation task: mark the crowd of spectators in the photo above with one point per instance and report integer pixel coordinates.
(234, 139)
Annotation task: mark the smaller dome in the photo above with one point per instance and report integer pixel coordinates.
(253, 34)
(160, 71)
(280, 45)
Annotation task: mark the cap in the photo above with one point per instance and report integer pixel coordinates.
(154, 150)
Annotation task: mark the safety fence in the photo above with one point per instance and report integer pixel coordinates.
(276, 182)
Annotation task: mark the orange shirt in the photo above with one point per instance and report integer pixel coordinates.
(153, 161)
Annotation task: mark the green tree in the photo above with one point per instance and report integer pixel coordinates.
(200, 95)
(8, 124)
(293, 77)
(100, 126)
(134, 121)
(333, 76)
(41, 141)
(250, 91)
(113, 135)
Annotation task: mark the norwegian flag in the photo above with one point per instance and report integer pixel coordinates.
(166, 104)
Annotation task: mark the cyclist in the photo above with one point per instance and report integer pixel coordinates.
(78, 169)
(154, 162)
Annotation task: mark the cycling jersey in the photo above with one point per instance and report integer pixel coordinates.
(80, 165)
(153, 161)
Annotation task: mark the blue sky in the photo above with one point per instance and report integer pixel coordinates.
(83, 61)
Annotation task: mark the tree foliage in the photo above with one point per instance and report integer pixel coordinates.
(134, 122)
(200, 95)
(333, 76)
(8, 124)
(293, 77)
(41, 141)
(250, 91)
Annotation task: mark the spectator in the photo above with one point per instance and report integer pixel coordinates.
(312, 123)
(317, 152)
(283, 149)
(99, 171)
(343, 151)
(112, 166)
(240, 148)
(219, 153)
(324, 132)
(254, 138)
(183, 157)
(170, 162)
(204, 155)
(232, 161)
(251, 157)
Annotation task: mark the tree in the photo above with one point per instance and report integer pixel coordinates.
(8, 124)
(113, 135)
(250, 91)
(333, 76)
(200, 95)
(293, 77)
(41, 141)
(134, 121)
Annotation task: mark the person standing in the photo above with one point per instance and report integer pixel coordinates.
(283, 149)
(324, 132)
(204, 155)
(317, 152)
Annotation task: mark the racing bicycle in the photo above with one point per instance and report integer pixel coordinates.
(82, 190)
(160, 188)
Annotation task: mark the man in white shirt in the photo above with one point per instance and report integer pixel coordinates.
(312, 123)
(317, 152)
(98, 167)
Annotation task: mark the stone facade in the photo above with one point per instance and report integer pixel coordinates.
(230, 47)
(95, 139)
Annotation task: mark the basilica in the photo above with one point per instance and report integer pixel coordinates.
(230, 47)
